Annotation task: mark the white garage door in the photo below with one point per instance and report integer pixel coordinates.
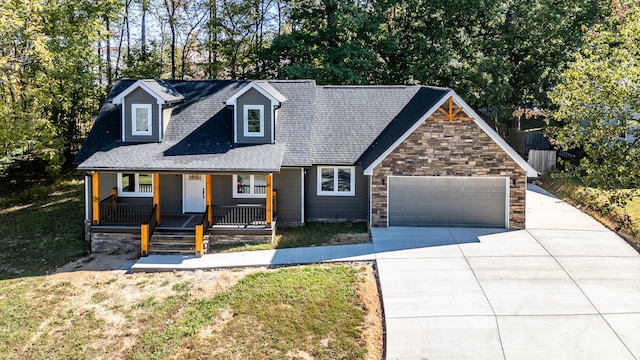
(448, 201)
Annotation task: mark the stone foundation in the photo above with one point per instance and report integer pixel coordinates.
(115, 242)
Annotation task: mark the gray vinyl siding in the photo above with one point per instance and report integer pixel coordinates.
(336, 208)
(108, 181)
(139, 96)
(223, 192)
(253, 97)
(289, 187)
(171, 194)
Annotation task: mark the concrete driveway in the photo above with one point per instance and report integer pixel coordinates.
(564, 288)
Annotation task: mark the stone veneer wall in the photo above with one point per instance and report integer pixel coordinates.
(449, 148)
(112, 242)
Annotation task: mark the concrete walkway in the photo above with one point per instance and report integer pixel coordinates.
(565, 288)
(337, 253)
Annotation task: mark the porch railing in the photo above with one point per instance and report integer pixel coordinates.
(239, 215)
(112, 213)
(246, 189)
(146, 231)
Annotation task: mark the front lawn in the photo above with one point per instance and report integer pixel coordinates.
(625, 221)
(321, 312)
(41, 229)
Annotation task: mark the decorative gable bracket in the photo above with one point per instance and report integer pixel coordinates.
(450, 111)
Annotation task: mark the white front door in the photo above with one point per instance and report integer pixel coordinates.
(194, 193)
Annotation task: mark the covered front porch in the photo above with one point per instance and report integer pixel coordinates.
(145, 213)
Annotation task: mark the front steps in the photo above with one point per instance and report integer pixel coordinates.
(174, 242)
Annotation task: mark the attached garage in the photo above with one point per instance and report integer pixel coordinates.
(448, 201)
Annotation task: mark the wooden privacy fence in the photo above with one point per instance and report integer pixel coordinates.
(544, 161)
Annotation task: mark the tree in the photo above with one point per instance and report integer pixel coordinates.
(24, 59)
(48, 74)
(598, 101)
(330, 41)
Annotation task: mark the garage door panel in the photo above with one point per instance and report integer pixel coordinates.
(447, 201)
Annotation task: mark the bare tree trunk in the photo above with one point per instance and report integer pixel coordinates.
(213, 37)
(120, 48)
(108, 55)
(126, 17)
(143, 26)
(171, 7)
(187, 44)
(279, 16)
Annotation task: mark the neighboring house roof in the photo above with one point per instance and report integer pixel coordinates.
(333, 125)
(160, 89)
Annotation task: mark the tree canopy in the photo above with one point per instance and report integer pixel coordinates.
(598, 103)
(59, 57)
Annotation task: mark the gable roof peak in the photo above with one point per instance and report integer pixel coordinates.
(160, 89)
(264, 88)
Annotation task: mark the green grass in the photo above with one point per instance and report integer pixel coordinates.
(272, 314)
(310, 234)
(596, 202)
(41, 229)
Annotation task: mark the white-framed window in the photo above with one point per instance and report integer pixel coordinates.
(135, 184)
(336, 181)
(250, 186)
(253, 120)
(141, 119)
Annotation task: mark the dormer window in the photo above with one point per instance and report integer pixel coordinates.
(146, 110)
(254, 120)
(141, 119)
(254, 113)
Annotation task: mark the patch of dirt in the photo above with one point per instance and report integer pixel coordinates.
(299, 354)
(119, 262)
(372, 332)
(348, 238)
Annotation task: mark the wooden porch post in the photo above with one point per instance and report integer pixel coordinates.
(209, 199)
(269, 200)
(156, 195)
(144, 239)
(95, 198)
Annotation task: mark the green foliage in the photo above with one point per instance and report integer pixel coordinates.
(142, 64)
(497, 54)
(48, 92)
(597, 100)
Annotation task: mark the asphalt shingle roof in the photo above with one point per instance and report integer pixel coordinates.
(348, 119)
(163, 89)
(414, 109)
(315, 125)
